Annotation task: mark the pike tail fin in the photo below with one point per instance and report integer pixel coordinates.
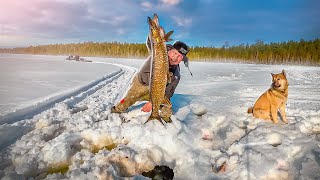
(250, 110)
(154, 118)
(167, 120)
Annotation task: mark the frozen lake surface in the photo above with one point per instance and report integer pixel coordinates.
(73, 135)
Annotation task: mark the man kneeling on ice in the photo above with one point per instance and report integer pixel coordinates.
(139, 90)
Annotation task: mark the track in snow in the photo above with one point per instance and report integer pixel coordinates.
(72, 98)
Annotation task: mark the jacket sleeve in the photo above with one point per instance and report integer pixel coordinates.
(171, 87)
(144, 73)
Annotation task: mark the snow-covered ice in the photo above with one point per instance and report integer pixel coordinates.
(211, 135)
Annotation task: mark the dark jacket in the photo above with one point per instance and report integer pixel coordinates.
(144, 77)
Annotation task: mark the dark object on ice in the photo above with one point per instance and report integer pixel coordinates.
(76, 58)
(219, 169)
(69, 57)
(160, 172)
(72, 57)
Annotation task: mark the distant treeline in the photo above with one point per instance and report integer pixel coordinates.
(291, 52)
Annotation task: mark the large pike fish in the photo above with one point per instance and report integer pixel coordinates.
(159, 67)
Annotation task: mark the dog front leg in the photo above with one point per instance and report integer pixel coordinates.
(283, 112)
(274, 114)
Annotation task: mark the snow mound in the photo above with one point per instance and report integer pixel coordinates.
(97, 139)
(198, 109)
(311, 125)
(59, 150)
(274, 139)
(43, 123)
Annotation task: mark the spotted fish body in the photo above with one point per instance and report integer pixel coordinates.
(159, 67)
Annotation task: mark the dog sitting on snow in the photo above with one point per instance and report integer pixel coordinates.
(274, 99)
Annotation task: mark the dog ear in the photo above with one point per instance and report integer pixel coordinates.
(272, 75)
(284, 73)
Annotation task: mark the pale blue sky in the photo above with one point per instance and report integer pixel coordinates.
(198, 23)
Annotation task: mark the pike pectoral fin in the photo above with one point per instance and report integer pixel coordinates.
(169, 76)
(166, 102)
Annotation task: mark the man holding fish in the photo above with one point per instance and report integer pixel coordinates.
(158, 78)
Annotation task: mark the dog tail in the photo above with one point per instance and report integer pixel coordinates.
(250, 110)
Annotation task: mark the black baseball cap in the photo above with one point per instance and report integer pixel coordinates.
(182, 48)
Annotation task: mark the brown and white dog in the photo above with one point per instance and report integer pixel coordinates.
(267, 105)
